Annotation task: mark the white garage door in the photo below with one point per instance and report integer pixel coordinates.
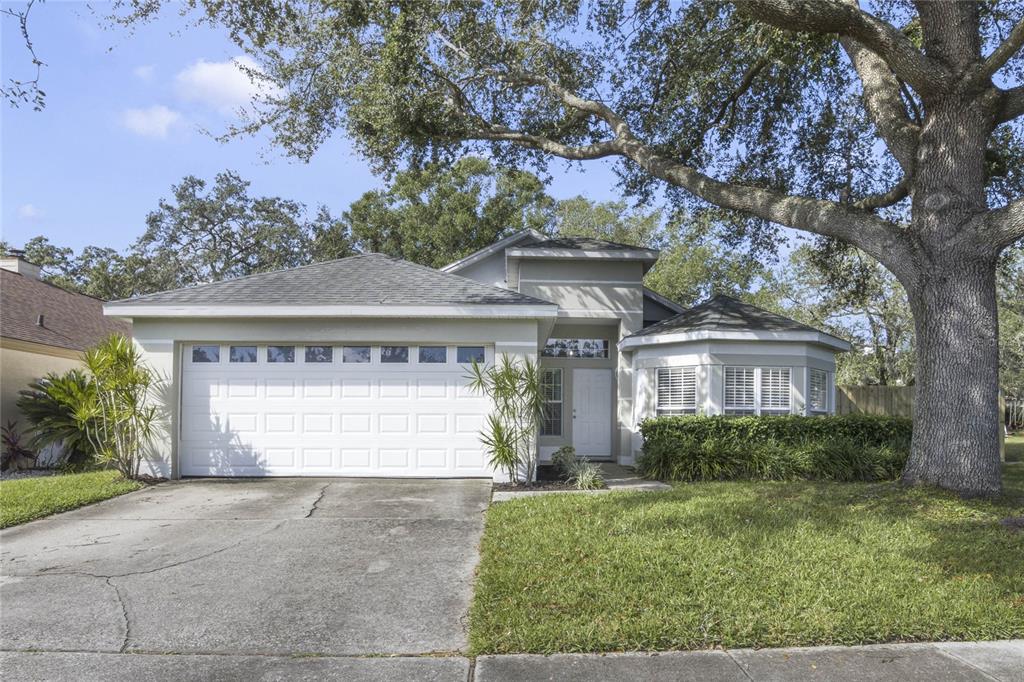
(323, 410)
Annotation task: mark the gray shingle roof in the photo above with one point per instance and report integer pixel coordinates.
(368, 279)
(581, 243)
(725, 313)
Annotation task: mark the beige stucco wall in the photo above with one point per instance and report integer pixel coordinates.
(21, 363)
(710, 358)
(161, 341)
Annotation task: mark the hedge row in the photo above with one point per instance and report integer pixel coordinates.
(838, 448)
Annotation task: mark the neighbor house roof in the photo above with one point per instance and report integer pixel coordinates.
(368, 285)
(69, 320)
(725, 317)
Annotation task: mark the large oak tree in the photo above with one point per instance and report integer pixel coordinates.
(890, 127)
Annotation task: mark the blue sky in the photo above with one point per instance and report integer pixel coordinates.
(122, 124)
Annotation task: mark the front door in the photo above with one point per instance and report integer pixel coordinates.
(592, 412)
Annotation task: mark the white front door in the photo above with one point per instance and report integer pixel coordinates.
(592, 412)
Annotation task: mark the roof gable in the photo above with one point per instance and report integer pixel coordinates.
(364, 280)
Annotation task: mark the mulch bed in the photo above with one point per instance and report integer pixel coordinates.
(548, 478)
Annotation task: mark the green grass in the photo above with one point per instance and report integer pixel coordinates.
(25, 499)
(748, 564)
(1015, 448)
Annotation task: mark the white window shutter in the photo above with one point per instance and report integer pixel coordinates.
(739, 387)
(775, 388)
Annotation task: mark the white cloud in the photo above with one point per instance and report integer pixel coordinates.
(29, 212)
(225, 86)
(154, 121)
(144, 72)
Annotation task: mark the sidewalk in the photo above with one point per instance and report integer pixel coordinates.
(983, 661)
(1003, 661)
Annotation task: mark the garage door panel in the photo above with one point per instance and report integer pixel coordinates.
(362, 419)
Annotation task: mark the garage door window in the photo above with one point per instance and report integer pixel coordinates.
(394, 353)
(242, 354)
(280, 353)
(205, 353)
(433, 355)
(357, 354)
(470, 354)
(315, 354)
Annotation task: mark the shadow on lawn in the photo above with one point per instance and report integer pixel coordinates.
(961, 537)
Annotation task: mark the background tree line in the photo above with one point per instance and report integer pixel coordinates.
(437, 214)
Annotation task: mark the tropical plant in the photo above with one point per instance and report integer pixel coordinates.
(119, 423)
(51, 406)
(15, 455)
(510, 433)
(585, 475)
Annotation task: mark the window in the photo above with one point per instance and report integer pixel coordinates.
(817, 398)
(470, 354)
(677, 390)
(575, 348)
(316, 354)
(280, 353)
(739, 390)
(775, 389)
(433, 354)
(205, 353)
(242, 354)
(772, 395)
(394, 353)
(551, 390)
(355, 354)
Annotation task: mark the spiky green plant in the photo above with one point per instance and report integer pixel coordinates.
(50, 406)
(510, 432)
(120, 422)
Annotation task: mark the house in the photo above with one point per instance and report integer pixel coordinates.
(357, 367)
(43, 329)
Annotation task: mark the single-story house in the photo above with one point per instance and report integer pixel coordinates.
(43, 329)
(357, 367)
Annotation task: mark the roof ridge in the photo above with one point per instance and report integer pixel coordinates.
(193, 287)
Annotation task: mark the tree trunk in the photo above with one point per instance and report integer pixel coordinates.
(956, 413)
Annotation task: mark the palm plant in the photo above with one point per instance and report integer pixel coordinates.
(119, 423)
(510, 433)
(51, 405)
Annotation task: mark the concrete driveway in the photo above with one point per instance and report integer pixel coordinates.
(272, 567)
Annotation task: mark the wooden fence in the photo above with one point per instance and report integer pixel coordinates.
(895, 400)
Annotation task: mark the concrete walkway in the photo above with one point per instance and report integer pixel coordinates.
(954, 661)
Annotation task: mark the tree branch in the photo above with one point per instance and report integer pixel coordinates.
(1006, 224)
(898, 193)
(924, 74)
(1002, 54)
(884, 103)
(1013, 104)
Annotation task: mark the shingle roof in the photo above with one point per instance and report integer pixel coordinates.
(582, 244)
(725, 313)
(70, 320)
(368, 279)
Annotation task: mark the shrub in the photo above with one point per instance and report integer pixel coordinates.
(585, 475)
(839, 448)
(13, 454)
(564, 459)
(50, 406)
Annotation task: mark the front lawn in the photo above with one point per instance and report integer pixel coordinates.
(748, 564)
(1015, 448)
(25, 499)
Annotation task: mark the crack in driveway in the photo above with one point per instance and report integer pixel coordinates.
(316, 502)
(124, 614)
